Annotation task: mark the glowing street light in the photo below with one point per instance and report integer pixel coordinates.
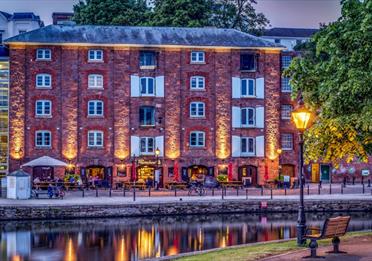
(301, 118)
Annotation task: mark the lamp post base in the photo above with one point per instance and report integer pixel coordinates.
(300, 234)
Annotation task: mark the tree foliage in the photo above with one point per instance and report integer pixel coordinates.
(181, 13)
(334, 76)
(237, 14)
(111, 12)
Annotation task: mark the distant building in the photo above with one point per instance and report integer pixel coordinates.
(288, 37)
(18, 23)
(62, 18)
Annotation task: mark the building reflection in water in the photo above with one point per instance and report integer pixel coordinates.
(137, 239)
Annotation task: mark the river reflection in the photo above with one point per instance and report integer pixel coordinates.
(125, 239)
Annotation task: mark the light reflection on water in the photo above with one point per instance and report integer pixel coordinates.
(125, 239)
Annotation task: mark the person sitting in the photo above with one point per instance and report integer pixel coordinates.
(37, 183)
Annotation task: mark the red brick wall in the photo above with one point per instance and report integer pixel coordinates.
(69, 125)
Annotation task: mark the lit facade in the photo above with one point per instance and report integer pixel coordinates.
(102, 105)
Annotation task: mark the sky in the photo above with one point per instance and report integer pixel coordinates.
(281, 13)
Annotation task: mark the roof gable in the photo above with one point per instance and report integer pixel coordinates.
(142, 36)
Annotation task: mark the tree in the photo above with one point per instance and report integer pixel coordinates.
(240, 15)
(181, 13)
(237, 14)
(111, 12)
(334, 77)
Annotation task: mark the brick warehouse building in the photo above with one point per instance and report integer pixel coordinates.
(101, 97)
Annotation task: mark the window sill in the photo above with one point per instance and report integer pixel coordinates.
(200, 63)
(95, 88)
(248, 127)
(95, 61)
(249, 96)
(147, 126)
(198, 118)
(43, 87)
(197, 89)
(96, 116)
(147, 67)
(43, 60)
(284, 149)
(95, 147)
(197, 147)
(43, 116)
(148, 95)
(248, 71)
(284, 91)
(43, 147)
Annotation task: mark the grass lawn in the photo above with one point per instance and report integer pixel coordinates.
(258, 251)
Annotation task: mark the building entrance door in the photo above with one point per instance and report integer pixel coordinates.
(248, 175)
(324, 172)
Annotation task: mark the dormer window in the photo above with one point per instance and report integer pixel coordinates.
(43, 54)
(95, 55)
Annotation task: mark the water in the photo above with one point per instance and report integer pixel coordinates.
(125, 239)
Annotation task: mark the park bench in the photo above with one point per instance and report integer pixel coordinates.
(36, 193)
(332, 228)
(176, 185)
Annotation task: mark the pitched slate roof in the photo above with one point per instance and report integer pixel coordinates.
(25, 16)
(142, 36)
(290, 32)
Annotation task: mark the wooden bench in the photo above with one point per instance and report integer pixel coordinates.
(232, 184)
(332, 228)
(36, 193)
(176, 185)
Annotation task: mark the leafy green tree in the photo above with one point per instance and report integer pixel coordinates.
(238, 14)
(111, 12)
(181, 13)
(334, 76)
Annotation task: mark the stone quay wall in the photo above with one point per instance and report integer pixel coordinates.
(25, 212)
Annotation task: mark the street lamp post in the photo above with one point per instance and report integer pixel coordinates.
(301, 118)
(157, 175)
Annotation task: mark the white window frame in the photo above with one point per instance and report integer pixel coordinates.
(95, 53)
(95, 143)
(147, 86)
(197, 107)
(95, 105)
(248, 153)
(43, 139)
(283, 84)
(97, 80)
(43, 80)
(199, 57)
(283, 140)
(248, 80)
(147, 152)
(285, 108)
(198, 135)
(199, 82)
(43, 56)
(246, 111)
(43, 103)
